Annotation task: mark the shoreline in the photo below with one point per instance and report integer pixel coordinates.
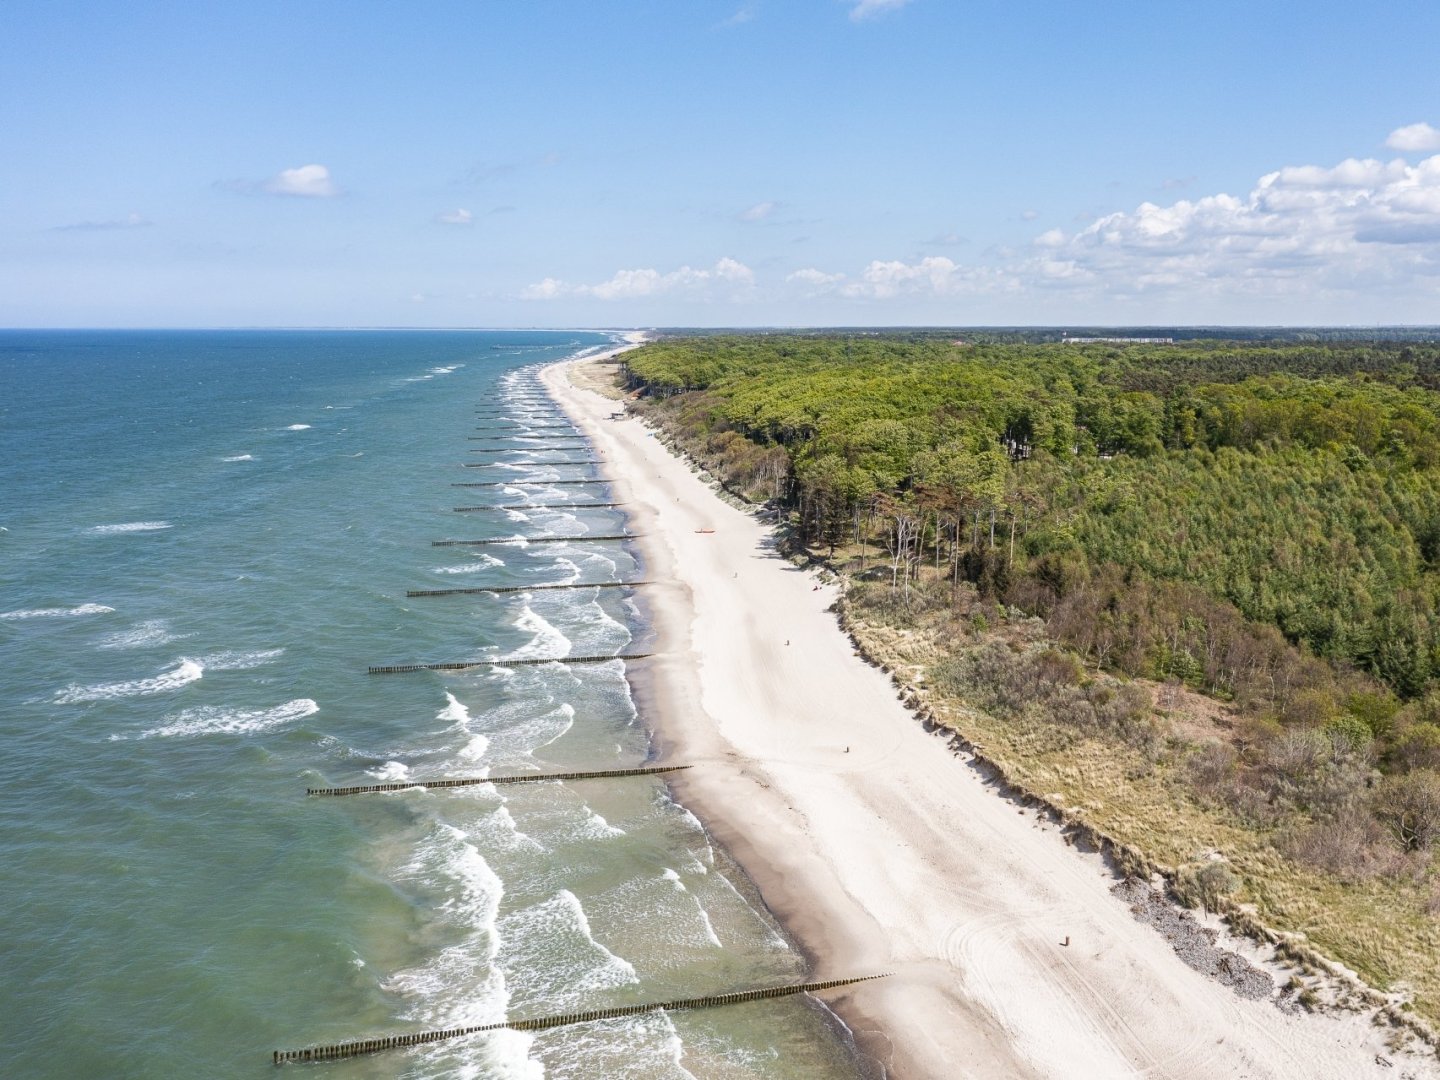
(879, 850)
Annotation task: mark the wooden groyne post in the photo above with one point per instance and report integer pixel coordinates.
(474, 589)
(508, 464)
(531, 540)
(527, 483)
(464, 665)
(335, 1051)
(475, 781)
(538, 506)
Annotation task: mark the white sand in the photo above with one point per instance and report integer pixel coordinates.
(895, 856)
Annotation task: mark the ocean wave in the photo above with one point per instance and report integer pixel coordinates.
(57, 612)
(240, 457)
(239, 660)
(183, 673)
(298, 427)
(595, 827)
(141, 635)
(481, 562)
(130, 527)
(548, 640)
(454, 711)
(218, 720)
(390, 772)
(445, 370)
(552, 943)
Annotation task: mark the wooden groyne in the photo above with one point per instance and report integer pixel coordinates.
(474, 590)
(336, 1051)
(533, 427)
(538, 506)
(475, 781)
(515, 438)
(531, 540)
(526, 483)
(463, 665)
(508, 464)
(573, 444)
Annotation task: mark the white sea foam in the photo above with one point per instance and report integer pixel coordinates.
(183, 673)
(551, 941)
(595, 827)
(218, 720)
(528, 734)
(548, 640)
(57, 612)
(240, 457)
(461, 985)
(445, 370)
(481, 562)
(391, 771)
(130, 527)
(298, 427)
(240, 660)
(141, 635)
(454, 711)
(498, 829)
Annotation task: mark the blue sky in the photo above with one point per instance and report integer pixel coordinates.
(696, 162)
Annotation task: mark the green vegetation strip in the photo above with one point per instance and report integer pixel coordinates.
(417, 1038)
(462, 665)
(524, 588)
(473, 781)
(529, 540)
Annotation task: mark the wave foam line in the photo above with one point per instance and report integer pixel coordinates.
(130, 527)
(183, 673)
(219, 720)
(57, 612)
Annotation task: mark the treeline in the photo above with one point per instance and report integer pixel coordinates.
(1260, 521)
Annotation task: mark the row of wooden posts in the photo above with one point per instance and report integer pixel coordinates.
(336, 1051)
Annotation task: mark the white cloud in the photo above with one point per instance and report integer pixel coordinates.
(456, 217)
(815, 279)
(868, 9)
(307, 181)
(759, 212)
(728, 277)
(744, 14)
(1413, 138)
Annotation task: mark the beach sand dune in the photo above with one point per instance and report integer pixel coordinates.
(881, 851)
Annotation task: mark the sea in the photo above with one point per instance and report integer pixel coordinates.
(206, 539)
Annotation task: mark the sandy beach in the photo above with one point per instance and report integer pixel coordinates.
(880, 850)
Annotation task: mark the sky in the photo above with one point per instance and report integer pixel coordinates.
(646, 163)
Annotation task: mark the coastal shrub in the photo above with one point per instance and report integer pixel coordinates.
(1408, 806)
(1205, 885)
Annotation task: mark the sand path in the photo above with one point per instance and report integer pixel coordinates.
(881, 851)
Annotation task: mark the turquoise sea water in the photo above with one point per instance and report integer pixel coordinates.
(207, 539)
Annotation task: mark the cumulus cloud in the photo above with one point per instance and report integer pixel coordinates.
(306, 181)
(759, 212)
(130, 221)
(1414, 138)
(868, 9)
(727, 277)
(744, 14)
(815, 280)
(456, 217)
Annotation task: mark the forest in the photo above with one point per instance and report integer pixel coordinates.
(1254, 521)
